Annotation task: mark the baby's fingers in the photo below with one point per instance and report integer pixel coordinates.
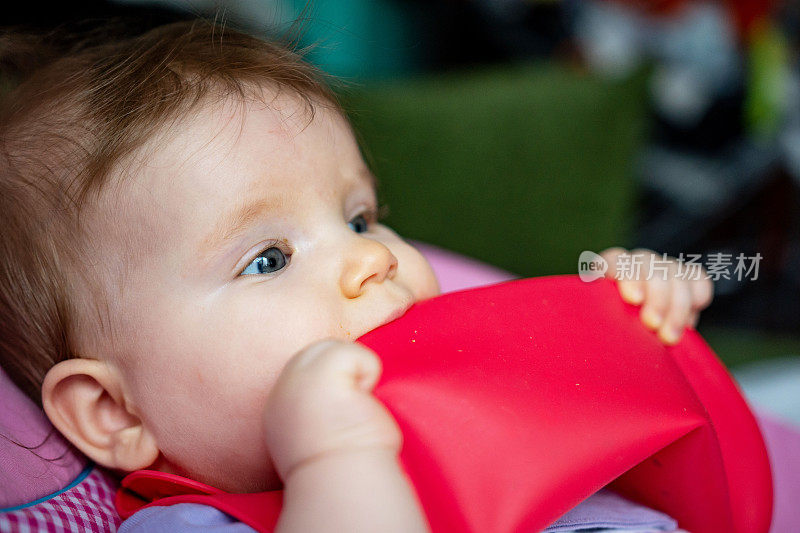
(702, 293)
(679, 313)
(694, 316)
(656, 302)
(631, 290)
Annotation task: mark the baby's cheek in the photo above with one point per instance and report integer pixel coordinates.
(420, 277)
(431, 287)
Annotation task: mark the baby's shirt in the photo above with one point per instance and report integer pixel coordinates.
(602, 512)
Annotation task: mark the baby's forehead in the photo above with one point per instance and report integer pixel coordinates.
(229, 129)
(221, 123)
(225, 152)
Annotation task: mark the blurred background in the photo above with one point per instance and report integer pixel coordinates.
(522, 132)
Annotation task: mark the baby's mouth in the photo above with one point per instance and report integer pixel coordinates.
(394, 315)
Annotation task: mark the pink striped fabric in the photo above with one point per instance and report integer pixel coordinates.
(87, 506)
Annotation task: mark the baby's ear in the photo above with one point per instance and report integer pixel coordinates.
(83, 399)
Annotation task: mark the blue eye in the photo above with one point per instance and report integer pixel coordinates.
(359, 224)
(270, 260)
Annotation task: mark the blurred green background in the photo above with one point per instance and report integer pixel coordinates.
(521, 167)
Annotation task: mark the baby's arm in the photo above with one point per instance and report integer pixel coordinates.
(336, 447)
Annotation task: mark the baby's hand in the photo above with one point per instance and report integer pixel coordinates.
(336, 446)
(669, 302)
(322, 405)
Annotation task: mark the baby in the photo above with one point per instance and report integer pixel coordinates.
(190, 246)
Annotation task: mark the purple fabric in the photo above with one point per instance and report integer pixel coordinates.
(456, 272)
(87, 506)
(603, 510)
(182, 518)
(783, 447)
(608, 510)
(48, 466)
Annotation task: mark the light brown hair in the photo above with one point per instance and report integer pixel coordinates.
(66, 125)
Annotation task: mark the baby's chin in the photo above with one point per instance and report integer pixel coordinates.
(265, 479)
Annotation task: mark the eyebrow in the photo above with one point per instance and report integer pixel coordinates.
(238, 220)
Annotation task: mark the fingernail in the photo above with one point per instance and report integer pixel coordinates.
(635, 295)
(632, 295)
(671, 335)
(652, 318)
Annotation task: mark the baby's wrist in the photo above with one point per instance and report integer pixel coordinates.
(351, 489)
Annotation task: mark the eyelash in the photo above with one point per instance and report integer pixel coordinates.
(372, 216)
(280, 245)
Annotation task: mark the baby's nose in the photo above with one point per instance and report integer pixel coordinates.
(370, 261)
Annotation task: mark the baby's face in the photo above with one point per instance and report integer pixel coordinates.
(247, 235)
